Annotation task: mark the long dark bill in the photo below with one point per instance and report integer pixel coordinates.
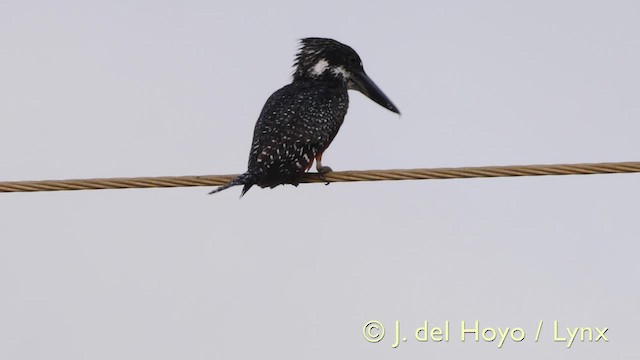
(365, 85)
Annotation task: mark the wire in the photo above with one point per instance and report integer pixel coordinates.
(337, 176)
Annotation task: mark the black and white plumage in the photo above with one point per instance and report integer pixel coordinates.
(299, 121)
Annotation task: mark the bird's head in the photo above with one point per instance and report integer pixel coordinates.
(329, 60)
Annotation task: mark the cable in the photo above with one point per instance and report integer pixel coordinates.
(337, 176)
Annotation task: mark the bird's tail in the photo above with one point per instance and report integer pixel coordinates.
(247, 179)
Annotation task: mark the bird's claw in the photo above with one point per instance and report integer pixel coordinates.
(322, 170)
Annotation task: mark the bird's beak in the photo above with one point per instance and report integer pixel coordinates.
(365, 85)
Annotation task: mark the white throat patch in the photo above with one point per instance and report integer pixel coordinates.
(319, 67)
(339, 70)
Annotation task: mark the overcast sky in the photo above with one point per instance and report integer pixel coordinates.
(151, 88)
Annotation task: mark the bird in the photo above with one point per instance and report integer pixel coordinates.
(299, 121)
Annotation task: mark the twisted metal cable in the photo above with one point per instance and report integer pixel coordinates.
(338, 176)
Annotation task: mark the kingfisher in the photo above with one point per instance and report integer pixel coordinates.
(299, 121)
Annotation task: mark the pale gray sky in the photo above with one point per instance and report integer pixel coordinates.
(145, 88)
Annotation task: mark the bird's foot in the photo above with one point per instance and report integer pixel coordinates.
(322, 170)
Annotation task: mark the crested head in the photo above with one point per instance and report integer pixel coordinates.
(325, 58)
(328, 61)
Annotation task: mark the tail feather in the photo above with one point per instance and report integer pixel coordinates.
(246, 179)
(245, 188)
(223, 187)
